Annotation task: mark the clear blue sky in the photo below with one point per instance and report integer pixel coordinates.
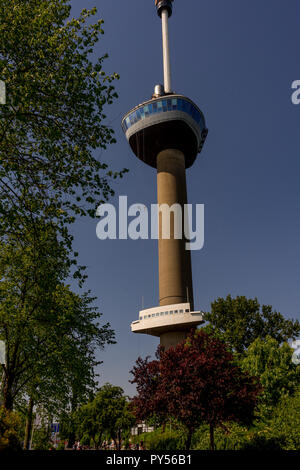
(236, 59)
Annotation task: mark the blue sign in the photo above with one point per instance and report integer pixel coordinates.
(55, 427)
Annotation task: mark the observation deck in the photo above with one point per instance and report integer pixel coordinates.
(166, 122)
(157, 320)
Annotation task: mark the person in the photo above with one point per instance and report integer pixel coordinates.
(142, 445)
(78, 446)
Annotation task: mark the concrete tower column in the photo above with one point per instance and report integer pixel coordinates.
(175, 273)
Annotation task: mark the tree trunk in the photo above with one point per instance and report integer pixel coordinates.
(74, 403)
(98, 442)
(28, 426)
(71, 439)
(212, 437)
(8, 400)
(119, 439)
(2, 386)
(189, 439)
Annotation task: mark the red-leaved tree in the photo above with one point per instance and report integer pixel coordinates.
(196, 382)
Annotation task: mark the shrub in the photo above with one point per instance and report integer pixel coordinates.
(162, 440)
(61, 445)
(231, 437)
(10, 430)
(42, 439)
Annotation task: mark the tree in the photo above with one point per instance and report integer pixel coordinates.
(28, 424)
(285, 422)
(195, 382)
(272, 363)
(54, 119)
(51, 333)
(107, 413)
(41, 436)
(239, 321)
(51, 171)
(280, 430)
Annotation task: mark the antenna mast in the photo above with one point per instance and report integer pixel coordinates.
(164, 10)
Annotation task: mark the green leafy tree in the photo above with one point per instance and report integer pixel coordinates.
(280, 430)
(41, 438)
(272, 363)
(239, 321)
(64, 376)
(54, 121)
(51, 170)
(108, 413)
(69, 425)
(285, 422)
(50, 333)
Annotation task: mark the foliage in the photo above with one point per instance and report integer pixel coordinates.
(50, 129)
(51, 333)
(67, 426)
(195, 382)
(61, 445)
(42, 438)
(10, 430)
(239, 321)
(162, 440)
(284, 426)
(106, 414)
(50, 173)
(53, 121)
(272, 363)
(232, 437)
(281, 431)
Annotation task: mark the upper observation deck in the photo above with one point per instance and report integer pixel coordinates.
(169, 121)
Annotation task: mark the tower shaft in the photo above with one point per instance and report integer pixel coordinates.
(175, 273)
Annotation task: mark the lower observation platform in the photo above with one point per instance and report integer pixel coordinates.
(158, 320)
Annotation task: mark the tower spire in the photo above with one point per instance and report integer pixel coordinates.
(164, 10)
